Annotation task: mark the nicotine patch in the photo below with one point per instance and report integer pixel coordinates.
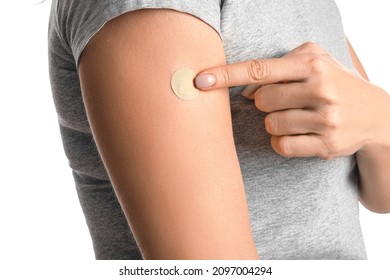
(182, 84)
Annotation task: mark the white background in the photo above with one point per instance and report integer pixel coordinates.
(40, 216)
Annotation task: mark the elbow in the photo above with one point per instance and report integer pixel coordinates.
(378, 210)
(376, 206)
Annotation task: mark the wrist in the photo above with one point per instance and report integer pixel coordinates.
(378, 136)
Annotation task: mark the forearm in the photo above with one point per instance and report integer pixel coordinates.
(374, 162)
(374, 158)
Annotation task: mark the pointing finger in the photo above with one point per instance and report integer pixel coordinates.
(257, 71)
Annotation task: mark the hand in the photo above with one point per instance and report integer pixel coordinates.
(316, 106)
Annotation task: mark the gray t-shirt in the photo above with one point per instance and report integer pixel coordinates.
(300, 208)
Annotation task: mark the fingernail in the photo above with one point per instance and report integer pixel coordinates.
(204, 81)
(249, 91)
(246, 93)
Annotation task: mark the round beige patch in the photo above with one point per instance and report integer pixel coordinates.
(182, 84)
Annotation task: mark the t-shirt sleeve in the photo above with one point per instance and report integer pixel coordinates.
(79, 20)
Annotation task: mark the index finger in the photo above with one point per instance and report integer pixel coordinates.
(257, 71)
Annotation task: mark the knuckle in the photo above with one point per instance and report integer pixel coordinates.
(258, 70)
(281, 92)
(260, 100)
(326, 156)
(325, 94)
(265, 99)
(285, 148)
(310, 46)
(282, 146)
(226, 75)
(317, 64)
(321, 91)
(257, 100)
(323, 150)
(331, 119)
(330, 147)
(270, 126)
(324, 100)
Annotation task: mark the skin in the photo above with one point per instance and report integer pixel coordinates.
(172, 163)
(317, 107)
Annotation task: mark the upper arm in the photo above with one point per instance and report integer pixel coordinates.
(172, 163)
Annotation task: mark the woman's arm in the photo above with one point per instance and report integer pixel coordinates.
(323, 110)
(172, 162)
(374, 160)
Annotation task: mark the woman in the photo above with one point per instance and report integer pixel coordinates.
(219, 176)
